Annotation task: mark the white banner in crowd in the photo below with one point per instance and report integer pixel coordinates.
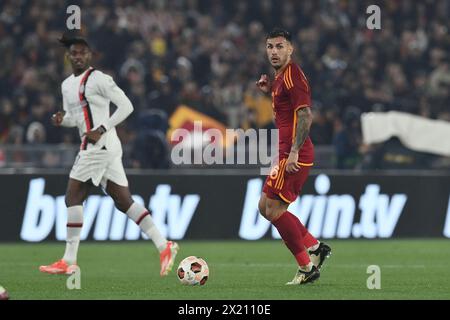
(415, 132)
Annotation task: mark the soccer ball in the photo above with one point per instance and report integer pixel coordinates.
(192, 271)
(3, 294)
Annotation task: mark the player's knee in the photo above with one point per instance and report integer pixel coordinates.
(273, 211)
(270, 214)
(262, 207)
(273, 215)
(72, 200)
(123, 204)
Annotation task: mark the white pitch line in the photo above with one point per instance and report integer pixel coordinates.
(271, 265)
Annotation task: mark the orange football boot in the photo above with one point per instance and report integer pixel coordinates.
(59, 267)
(167, 257)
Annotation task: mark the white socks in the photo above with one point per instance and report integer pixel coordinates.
(74, 224)
(314, 247)
(136, 212)
(142, 217)
(306, 268)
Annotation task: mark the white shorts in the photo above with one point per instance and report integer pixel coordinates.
(100, 166)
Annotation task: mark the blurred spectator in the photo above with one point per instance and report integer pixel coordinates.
(36, 133)
(393, 155)
(259, 109)
(150, 149)
(208, 54)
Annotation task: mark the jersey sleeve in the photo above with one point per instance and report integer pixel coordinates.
(297, 88)
(111, 91)
(68, 119)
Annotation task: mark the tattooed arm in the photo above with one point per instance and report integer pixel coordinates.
(304, 116)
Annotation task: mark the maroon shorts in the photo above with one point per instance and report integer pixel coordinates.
(284, 186)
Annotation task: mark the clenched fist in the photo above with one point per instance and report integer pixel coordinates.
(57, 118)
(264, 83)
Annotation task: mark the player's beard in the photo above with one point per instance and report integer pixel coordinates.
(278, 65)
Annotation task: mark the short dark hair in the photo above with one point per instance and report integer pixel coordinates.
(279, 32)
(68, 43)
(70, 38)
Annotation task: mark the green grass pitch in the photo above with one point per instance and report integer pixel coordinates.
(410, 269)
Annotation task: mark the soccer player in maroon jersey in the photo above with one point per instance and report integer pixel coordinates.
(291, 102)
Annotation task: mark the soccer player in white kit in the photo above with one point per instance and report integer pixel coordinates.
(86, 97)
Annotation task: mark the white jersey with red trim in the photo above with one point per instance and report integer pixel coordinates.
(86, 100)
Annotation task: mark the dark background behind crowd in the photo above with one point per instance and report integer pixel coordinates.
(207, 54)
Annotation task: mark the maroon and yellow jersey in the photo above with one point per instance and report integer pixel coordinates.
(290, 92)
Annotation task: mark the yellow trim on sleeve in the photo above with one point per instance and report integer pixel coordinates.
(305, 164)
(286, 82)
(290, 77)
(294, 127)
(301, 106)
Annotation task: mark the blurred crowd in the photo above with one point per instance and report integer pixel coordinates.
(207, 54)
